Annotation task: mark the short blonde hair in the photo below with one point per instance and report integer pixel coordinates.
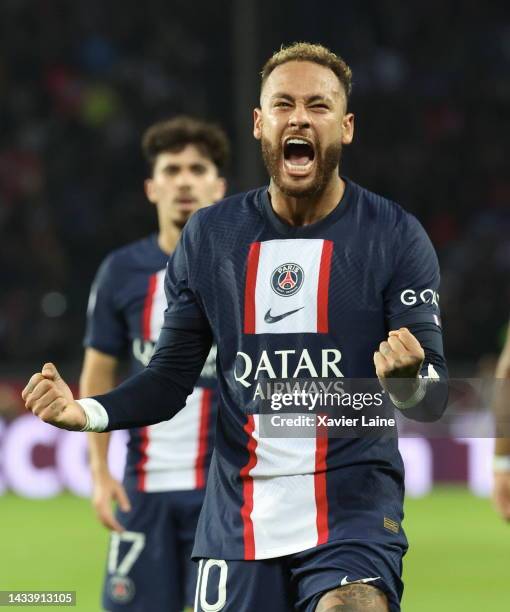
(309, 52)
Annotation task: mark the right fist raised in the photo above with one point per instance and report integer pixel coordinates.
(48, 397)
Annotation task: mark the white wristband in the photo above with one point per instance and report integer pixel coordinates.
(415, 398)
(96, 415)
(501, 463)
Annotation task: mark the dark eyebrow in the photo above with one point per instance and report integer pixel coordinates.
(309, 100)
(283, 96)
(318, 98)
(176, 166)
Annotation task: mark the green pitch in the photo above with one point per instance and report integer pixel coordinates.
(459, 557)
(52, 544)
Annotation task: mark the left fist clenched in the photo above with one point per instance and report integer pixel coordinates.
(400, 356)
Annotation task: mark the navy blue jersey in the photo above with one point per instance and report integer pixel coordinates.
(287, 302)
(124, 317)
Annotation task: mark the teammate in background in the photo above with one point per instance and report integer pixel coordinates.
(309, 278)
(501, 491)
(149, 562)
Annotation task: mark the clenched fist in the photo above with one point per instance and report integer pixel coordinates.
(48, 397)
(398, 363)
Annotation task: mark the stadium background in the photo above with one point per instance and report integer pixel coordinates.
(78, 84)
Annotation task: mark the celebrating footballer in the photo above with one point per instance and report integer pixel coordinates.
(304, 278)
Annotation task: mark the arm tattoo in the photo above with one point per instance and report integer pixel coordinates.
(353, 598)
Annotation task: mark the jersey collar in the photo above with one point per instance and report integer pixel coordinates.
(313, 228)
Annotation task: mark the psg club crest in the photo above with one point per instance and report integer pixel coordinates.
(287, 279)
(122, 589)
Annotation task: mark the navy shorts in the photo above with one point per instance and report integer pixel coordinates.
(149, 565)
(296, 583)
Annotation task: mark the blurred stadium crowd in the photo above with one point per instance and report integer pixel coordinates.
(80, 81)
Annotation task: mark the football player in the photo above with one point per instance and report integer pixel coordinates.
(149, 563)
(310, 277)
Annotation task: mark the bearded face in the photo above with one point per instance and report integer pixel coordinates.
(302, 125)
(299, 167)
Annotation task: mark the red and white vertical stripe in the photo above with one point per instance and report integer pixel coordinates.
(154, 307)
(152, 318)
(204, 424)
(310, 302)
(173, 454)
(285, 506)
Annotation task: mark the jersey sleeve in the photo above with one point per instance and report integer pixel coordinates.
(105, 330)
(185, 310)
(412, 295)
(412, 301)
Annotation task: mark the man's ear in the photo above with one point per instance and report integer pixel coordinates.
(150, 189)
(347, 128)
(257, 123)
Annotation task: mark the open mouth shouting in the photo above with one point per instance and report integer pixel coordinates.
(298, 156)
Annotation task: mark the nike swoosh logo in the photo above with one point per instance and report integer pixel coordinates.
(360, 581)
(269, 318)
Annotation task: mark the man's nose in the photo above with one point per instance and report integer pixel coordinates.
(184, 179)
(299, 117)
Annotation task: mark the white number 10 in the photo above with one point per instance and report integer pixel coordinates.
(202, 579)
